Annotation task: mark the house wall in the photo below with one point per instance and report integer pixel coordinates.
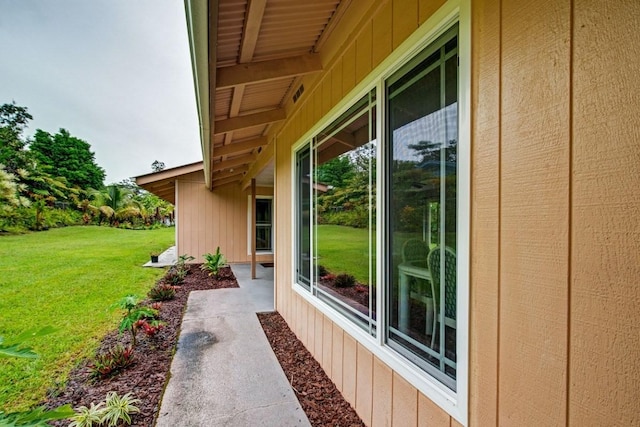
(206, 220)
(554, 214)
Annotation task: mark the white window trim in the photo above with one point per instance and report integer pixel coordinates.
(454, 403)
(273, 235)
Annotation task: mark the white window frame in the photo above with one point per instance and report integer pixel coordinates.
(454, 403)
(273, 235)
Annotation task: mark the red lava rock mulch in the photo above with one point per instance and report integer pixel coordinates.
(318, 396)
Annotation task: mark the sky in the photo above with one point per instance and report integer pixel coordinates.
(114, 73)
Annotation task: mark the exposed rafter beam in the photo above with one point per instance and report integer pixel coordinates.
(267, 70)
(226, 181)
(252, 24)
(235, 147)
(250, 120)
(232, 163)
(240, 170)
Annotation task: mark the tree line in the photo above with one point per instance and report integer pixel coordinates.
(53, 180)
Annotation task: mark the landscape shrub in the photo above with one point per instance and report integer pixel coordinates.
(111, 362)
(162, 292)
(344, 280)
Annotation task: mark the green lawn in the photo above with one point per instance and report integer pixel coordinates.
(67, 278)
(344, 250)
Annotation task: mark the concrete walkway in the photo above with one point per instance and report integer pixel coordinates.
(224, 372)
(165, 259)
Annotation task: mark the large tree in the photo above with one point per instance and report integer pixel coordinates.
(69, 157)
(13, 121)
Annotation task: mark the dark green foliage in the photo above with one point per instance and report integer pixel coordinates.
(322, 270)
(13, 120)
(344, 281)
(68, 157)
(111, 362)
(162, 292)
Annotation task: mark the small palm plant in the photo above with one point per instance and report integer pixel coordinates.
(214, 262)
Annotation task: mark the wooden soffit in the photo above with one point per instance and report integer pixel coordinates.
(257, 52)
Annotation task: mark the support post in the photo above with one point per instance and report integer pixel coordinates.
(253, 228)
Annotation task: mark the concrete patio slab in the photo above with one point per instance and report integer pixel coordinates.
(224, 372)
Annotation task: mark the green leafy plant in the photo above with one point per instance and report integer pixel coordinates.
(88, 417)
(133, 314)
(119, 408)
(213, 262)
(36, 417)
(181, 264)
(344, 281)
(111, 362)
(162, 292)
(15, 348)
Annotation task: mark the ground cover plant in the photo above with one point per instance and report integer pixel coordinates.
(66, 278)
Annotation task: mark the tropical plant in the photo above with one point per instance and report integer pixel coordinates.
(119, 408)
(111, 362)
(133, 314)
(181, 264)
(162, 292)
(213, 262)
(88, 417)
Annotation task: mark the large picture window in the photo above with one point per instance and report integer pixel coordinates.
(413, 276)
(422, 135)
(336, 199)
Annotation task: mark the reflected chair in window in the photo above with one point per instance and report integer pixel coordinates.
(415, 281)
(449, 312)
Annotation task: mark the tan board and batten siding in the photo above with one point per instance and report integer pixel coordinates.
(208, 219)
(555, 238)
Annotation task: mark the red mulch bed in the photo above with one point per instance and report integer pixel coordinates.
(147, 376)
(318, 396)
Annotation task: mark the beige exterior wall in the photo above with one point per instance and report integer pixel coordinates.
(554, 214)
(206, 220)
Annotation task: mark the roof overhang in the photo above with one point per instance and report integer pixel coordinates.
(163, 183)
(249, 59)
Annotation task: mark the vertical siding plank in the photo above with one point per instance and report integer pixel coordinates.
(364, 384)
(382, 392)
(426, 8)
(483, 351)
(381, 35)
(405, 403)
(349, 69)
(349, 365)
(363, 53)
(336, 83)
(605, 342)
(311, 328)
(317, 348)
(405, 20)
(534, 209)
(327, 346)
(336, 356)
(327, 103)
(430, 414)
